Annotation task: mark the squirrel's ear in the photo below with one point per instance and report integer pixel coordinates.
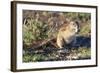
(77, 22)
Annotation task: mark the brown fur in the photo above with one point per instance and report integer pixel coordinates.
(66, 33)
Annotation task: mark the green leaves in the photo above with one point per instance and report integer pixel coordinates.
(35, 31)
(83, 17)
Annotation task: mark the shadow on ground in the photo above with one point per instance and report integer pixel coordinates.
(82, 41)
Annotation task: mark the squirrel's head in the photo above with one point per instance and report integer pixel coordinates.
(74, 26)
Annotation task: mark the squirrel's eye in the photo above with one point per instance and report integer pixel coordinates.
(74, 24)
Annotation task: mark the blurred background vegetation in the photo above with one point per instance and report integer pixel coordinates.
(39, 26)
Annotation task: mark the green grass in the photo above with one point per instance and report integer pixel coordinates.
(86, 29)
(34, 57)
